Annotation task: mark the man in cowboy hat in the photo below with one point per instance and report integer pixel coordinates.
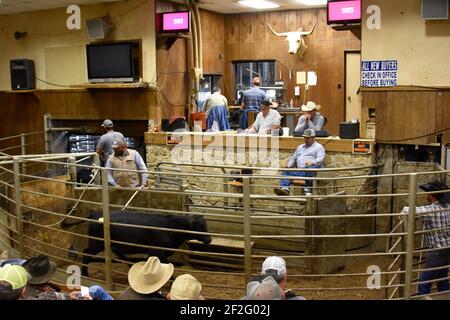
(41, 270)
(435, 216)
(146, 279)
(311, 119)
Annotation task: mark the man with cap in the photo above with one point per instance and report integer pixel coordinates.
(263, 287)
(308, 155)
(13, 282)
(311, 119)
(267, 121)
(251, 101)
(435, 216)
(185, 287)
(124, 158)
(104, 147)
(146, 279)
(276, 267)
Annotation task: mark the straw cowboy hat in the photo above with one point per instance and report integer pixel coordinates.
(310, 106)
(147, 277)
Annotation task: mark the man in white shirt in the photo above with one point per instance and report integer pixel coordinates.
(267, 121)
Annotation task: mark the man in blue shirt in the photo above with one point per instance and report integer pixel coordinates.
(251, 101)
(308, 155)
(311, 119)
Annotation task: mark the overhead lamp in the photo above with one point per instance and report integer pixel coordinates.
(259, 4)
(313, 2)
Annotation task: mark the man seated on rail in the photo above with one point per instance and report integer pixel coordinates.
(308, 155)
(267, 121)
(435, 216)
(124, 158)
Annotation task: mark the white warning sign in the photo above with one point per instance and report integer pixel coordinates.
(382, 73)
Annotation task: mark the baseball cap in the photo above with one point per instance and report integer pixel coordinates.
(265, 289)
(275, 266)
(309, 133)
(107, 124)
(433, 186)
(16, 275)
(185, 287)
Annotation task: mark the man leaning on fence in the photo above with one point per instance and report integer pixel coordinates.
(124, 158)
(436, 220)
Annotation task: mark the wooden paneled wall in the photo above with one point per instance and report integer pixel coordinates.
(247, 37)
(408, 115)
(129, 108)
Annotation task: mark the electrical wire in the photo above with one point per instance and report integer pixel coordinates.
(413, 138)
(53, 84)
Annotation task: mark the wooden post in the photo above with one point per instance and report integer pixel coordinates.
(106, 230)
(247, 230)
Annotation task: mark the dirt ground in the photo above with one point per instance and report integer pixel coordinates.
(224, 286)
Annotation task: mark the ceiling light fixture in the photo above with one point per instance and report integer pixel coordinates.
(259, 4)
(313, 2)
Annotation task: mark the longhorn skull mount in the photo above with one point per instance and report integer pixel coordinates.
(294, 39)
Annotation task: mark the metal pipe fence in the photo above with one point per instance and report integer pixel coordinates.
(327, 237)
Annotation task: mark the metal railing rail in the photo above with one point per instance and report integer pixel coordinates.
(400, 273)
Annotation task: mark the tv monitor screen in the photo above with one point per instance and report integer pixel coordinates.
(346, 11)
(175, 21)
(110, 62)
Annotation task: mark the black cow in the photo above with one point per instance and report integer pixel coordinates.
(160, 238)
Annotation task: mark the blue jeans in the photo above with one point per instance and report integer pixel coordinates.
(309, 174)
(435, 259)
(243, 120)
(98, 293)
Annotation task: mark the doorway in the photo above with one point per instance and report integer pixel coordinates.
(352, 84)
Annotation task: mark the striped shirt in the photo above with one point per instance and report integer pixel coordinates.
(435, 216)
(252, 98)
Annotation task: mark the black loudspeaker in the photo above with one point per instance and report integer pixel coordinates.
(348, 130)
(165, 125)
(178, 124)
(22, 74)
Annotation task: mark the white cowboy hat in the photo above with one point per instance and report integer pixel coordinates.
(310, 106)
(147, 277)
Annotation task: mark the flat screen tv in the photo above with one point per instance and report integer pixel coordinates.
(112, 62)
(172, 22)
(344, 12)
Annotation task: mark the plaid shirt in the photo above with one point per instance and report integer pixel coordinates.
(438, 218)
(253, 98)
